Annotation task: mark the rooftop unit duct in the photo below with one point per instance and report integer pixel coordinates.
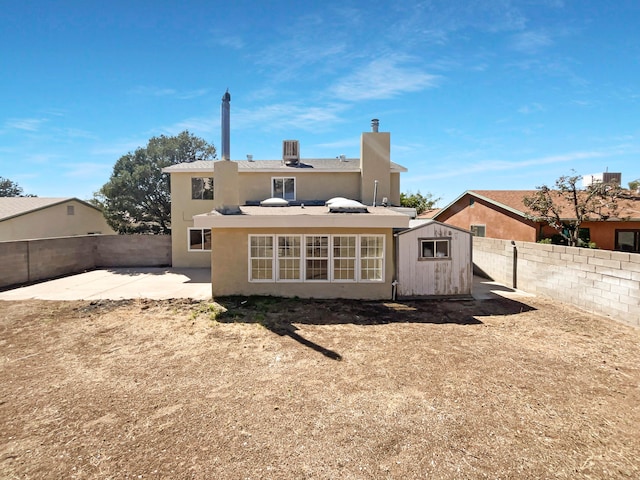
(291, 152)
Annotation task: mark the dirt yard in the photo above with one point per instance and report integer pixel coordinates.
(296, 389)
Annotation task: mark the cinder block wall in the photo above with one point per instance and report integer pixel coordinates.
(133, 251)
(33, 260)
(600, 281)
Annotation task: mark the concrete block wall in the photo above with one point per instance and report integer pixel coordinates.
(133, 251)
(599, 281)
(27, 261)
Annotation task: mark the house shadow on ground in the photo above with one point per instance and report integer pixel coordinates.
(281, 315)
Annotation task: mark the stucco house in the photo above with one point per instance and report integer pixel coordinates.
(280, 247)
(502, 214)
(294, 226)
(24, 218)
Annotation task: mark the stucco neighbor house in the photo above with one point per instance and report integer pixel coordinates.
(24, 218)
(502, 214)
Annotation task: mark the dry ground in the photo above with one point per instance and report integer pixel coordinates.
(294, 389)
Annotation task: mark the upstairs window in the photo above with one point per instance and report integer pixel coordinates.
(283, 187)
(202, 188)
(434, 249)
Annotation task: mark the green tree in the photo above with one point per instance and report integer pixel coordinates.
(567, 206)
(634, 184)
(9, 188)
(137, 197)
(418, 201)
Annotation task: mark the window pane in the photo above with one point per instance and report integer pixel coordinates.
(289, 189)
(317, 270)
(427, 249)
(261, 252)
(289, 246)
(195, 239)
(371, 258)
(344, 269)
(207, 239)
(289, 249)
(202, 188)
(442, 248)
(371, 269)
(278, 188)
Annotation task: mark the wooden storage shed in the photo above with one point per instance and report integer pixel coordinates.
(434, 260)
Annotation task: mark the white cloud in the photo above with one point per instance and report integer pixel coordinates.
(531, 108)
(531, 42)
(26, 124)
(153, 91)
(281, 116)
(381, 79)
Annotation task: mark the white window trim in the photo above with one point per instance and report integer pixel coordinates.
(434, 258)
(356, 261)
(295, 187)
(189, 249)
(382, 273)
(303, 260)
(273, 260)
(276, 260)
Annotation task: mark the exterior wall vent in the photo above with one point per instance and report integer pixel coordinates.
(291, 152)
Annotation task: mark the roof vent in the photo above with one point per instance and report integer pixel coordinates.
(291, 152)
(249, 157)
(343, 158)
(344, 205)
(274, 202)
(375, 123)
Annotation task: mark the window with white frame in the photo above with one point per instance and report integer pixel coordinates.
(371, 258)
(289, 255)
(261, 258)
(344, 258)
(199, 239)
(316, 258)
(434, 248)
(202, 188)
(283, 187)
(478, 230)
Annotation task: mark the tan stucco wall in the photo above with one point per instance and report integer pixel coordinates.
(498, 223)
(183, 208)
(230, 263)
(375, 158)
(53, 221)
(255, 187)
(394, 194)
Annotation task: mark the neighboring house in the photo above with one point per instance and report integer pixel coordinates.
(24, 218)
(502, 214)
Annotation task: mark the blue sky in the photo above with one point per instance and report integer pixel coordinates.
(477, 94)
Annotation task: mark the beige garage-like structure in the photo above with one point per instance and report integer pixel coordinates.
(434, 260)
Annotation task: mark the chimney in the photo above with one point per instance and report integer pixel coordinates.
(226, 126)
(374, 125)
